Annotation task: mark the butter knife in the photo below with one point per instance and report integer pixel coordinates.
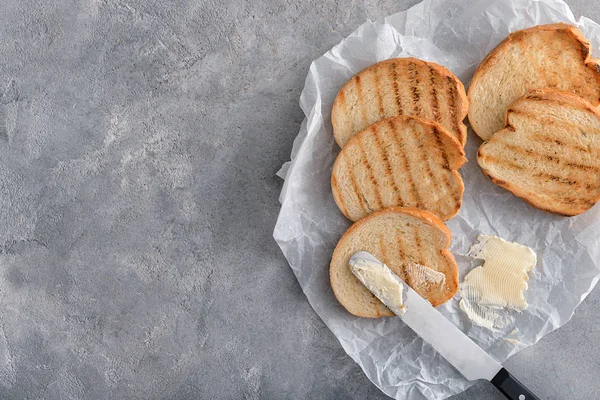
(456, 347)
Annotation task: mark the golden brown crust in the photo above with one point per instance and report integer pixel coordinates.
(459, 109)
(535, 203)
(451, 268)
(518, 36)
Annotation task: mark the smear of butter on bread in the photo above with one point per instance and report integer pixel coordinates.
(379, 279)
(421, 277)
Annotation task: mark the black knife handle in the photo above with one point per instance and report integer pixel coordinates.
(511, 387)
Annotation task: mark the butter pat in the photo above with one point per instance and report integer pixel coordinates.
(499, 283)
(379, 279)
(502, 279)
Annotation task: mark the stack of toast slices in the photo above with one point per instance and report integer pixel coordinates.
(533, 100)
(399, 123)
(400, 126)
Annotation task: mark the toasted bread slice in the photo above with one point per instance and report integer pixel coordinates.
(554, 56)
(398, 237)
(400, 161)
(549, 152)
(400, 86)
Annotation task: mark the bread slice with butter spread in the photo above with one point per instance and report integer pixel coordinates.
(398, 237)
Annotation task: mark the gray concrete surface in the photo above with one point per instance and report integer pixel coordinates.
(138, 146)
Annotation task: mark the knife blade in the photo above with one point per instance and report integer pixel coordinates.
(456, 347)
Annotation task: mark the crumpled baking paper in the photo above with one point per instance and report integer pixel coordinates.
(457, 34)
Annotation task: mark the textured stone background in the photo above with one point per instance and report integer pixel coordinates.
(139, 140)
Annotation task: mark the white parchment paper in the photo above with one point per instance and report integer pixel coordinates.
(457, 34)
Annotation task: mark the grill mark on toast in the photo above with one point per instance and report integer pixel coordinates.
(383, 249)
(407, 169)
(389, 172)
(440, 144)
(414, 86)
(452, 95)
(359, 96)
(401, 251)
(425, 160)
(527, 152)
(541, 175)
(555, 159)
(401, 246)
(418, 245)
(557, 179)
(367, 165)
(341, 202)
(378, 94)
(565, 147)
(446, 166)
(361, 202)
(394, 74)
(435, 105)
(341, 99)
(524, 114)
(542, 119)
(583, 167)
